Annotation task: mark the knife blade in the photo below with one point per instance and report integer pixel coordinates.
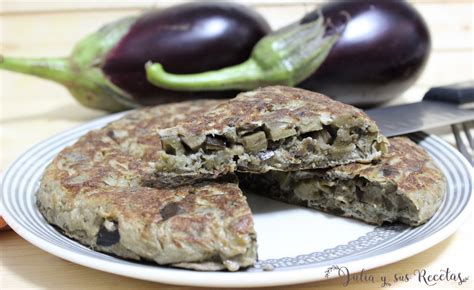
(441, 106)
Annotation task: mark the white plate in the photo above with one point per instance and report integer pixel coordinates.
(300, 244)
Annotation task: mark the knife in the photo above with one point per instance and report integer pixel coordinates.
(440, 106)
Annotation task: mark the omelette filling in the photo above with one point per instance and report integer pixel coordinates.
(275, 146)
(358, 198)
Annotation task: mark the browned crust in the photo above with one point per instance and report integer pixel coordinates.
(270, 104)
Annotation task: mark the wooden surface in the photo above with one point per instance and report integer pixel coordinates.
(33, 110)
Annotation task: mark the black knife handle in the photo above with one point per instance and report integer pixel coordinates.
(459, 93)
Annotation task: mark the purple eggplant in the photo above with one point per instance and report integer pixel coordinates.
(381, 52)
(106, 69)
(382, 48)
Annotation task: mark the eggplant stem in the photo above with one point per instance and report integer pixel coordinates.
(286, 57)
(243, 76)
(54, 69)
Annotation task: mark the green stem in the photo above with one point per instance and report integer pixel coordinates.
(88, 86)
(244, 76)
(55, 69)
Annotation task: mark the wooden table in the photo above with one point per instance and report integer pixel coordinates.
(33, 109)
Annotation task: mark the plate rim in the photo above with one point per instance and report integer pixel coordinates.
(225, 279)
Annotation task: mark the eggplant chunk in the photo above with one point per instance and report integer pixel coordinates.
(108, 234)
(172, 145)
(255, 142)
(279, 130)
(194, 142)
(215, 143)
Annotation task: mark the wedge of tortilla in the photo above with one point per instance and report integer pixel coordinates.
(273, 128)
